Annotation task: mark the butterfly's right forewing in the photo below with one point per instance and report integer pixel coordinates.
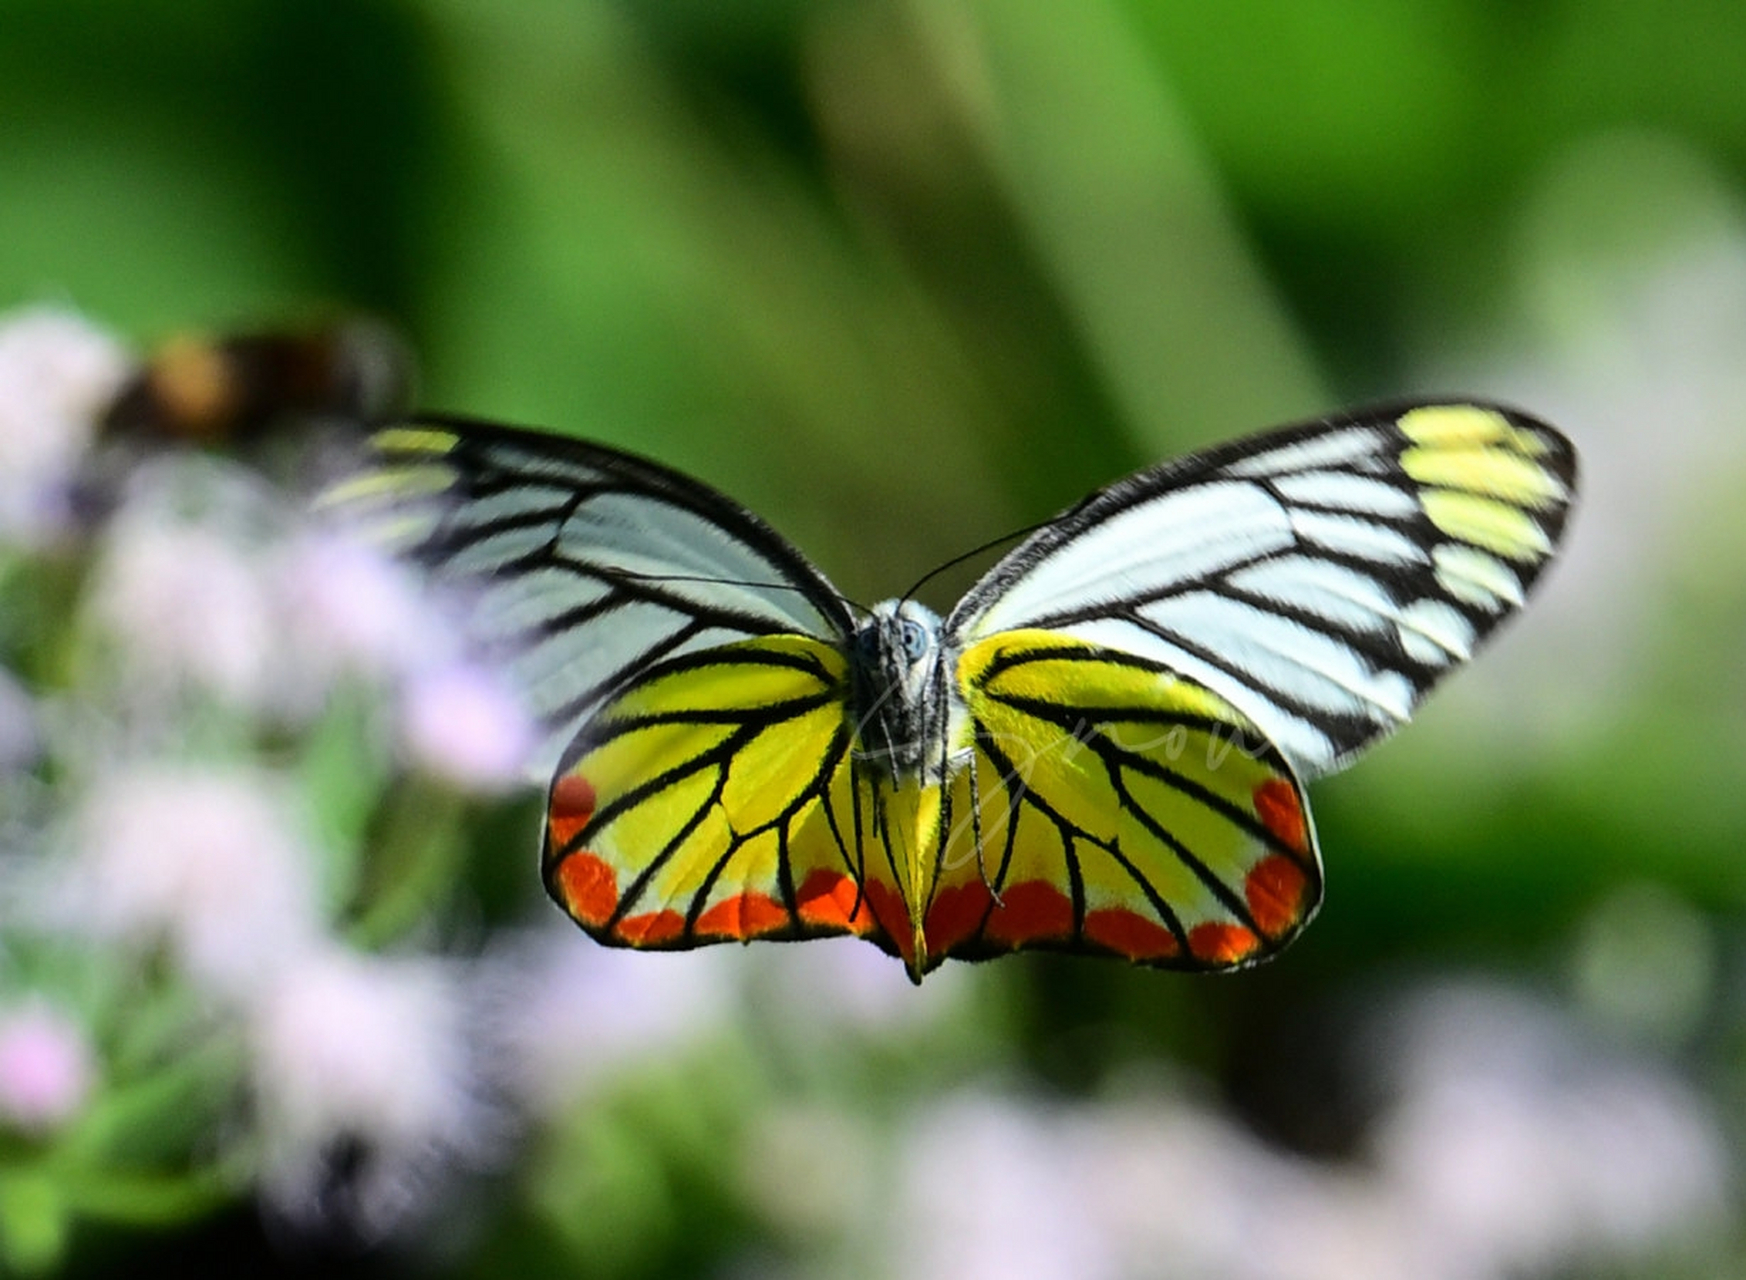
(1322, 578)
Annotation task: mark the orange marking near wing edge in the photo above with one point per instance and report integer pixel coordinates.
(569, 808)
(1222, 943)
(1030, 912)
(1274, 892)
(955, 915)
(888, 909)
(745, 915)
(831, 900)
(1280, 811)
(588, 887)
(650, 928)
(1131, 934)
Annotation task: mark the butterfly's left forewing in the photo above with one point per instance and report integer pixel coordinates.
(576, 566)
(685, 660)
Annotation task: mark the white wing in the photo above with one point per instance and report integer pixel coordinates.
(579, 565)
(1321, 577)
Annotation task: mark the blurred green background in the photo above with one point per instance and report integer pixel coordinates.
(903, 276)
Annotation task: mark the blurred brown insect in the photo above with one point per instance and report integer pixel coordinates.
(238, 389)
(293, 403)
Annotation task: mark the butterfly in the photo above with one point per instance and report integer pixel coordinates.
(1102, 748)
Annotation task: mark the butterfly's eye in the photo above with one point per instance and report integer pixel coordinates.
(914, 637)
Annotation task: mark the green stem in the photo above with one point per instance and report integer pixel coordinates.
(132, 1120)
(415, 863)
(156, 1199)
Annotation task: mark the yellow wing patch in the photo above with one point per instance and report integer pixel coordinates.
(701, 805)
(1470, 426)
(1110, 805)
(1482, 476)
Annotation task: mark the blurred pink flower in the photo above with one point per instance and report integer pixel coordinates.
(20, 736)
(563, 1013)
(56, 373)
(1519, 1147)
(811, 1169)
(187, 607)
(984, 1193)
(1166, 1177)
(351, 608)
(844, 984)
(462, 723)
(362, 1060)
(46, 1071)
(210, 864)
(1507, 1146)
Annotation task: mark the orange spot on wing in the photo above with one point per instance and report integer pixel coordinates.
(587, 888)
(955, 915)
(569, 808)
(1274, 890)
(1281, 812)
(888, 909)
(651, 927)
(1131, 934)
(745, 915)
(1029, 912)
(831, 900)
(1221, 943)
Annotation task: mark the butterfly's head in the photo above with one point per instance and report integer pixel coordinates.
(899, 637)
(895, 663)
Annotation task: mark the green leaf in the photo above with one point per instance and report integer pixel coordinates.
(33, 1222)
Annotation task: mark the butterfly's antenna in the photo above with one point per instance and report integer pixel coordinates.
(971, 554)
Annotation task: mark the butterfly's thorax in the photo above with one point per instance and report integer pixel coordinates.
(897, 688)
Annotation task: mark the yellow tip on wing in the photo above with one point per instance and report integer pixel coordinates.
(1459, 426)
(1496, 473)
(431, 440)
(389, 485)
(1483, 522)
(1485, 481)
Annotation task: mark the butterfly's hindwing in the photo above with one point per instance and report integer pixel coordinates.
(1111, 805)
(1322, 578)
(703, 803)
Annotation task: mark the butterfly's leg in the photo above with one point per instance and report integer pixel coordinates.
(976, 833)
(860, 861)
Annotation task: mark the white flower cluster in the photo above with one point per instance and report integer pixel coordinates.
(56, 374)
(173, 831)
(1508, 1147)
(205, 586)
